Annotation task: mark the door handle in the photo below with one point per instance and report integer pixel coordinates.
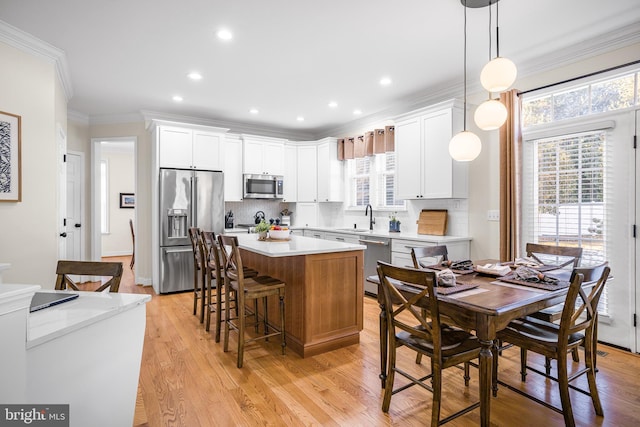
(63, 234)
(78, 225)
(374, 242)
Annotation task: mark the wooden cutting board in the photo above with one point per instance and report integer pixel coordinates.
(433, 221)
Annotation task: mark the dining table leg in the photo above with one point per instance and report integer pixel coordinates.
(486, 372)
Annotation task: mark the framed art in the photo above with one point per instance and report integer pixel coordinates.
(10, 158)
(127, 200)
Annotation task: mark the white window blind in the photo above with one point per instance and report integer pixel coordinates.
(564, 194)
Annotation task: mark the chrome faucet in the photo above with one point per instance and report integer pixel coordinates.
(369, 211)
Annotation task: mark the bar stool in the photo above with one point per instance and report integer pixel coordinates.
(246, 289)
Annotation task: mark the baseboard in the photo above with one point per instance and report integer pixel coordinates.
(116, 253)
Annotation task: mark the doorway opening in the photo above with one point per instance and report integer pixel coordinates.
(114, 189)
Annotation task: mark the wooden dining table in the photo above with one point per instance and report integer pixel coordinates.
(486, 309)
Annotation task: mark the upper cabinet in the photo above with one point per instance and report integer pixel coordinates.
(190, 148)
(424, 168)
(290, 191)
(307, 173)
(262, 155)
(330, 172)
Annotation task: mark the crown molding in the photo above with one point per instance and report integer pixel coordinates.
(78, 117)
(584, 50)
(233, 127)
(25, 42)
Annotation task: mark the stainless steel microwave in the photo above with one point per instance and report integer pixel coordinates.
(263, 186)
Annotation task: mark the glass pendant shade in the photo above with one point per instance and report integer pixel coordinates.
(490, 115)
(498, 75)
(465, 146)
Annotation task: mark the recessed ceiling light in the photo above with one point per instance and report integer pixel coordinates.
(357, 112)
(195, 75)
(333, 104)
(177, 98)
(224, 35)
(254, 111)
(300, 119)
(385, 81)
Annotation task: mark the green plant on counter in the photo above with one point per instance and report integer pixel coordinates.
(262, 227)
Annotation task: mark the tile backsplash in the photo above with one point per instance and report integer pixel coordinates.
(335, 215)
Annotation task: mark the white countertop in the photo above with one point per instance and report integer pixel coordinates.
(90, 307)
(401, 235)
(297, 245)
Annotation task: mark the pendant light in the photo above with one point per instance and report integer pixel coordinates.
(491, 114)
(500, 73)
(465, 146)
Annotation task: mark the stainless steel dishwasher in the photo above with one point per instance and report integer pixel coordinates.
(378, 249)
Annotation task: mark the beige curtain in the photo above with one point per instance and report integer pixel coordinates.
(510, 178)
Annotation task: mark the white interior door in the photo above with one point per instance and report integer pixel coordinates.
(75, 231)
(620, 197)
(637, 237)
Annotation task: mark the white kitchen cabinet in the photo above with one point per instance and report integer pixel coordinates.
(305, 215)
(315, 234)
(262, 155)
(307, 173)
(330, 182)
(343, 237)
(233, 169)
(290, 193)
(424, 168)
(401, 249)
(190, 148)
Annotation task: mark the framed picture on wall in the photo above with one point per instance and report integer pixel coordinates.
(127, 200)
(10, 158)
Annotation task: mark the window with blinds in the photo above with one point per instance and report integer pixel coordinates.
(565, 194)
(372, 181)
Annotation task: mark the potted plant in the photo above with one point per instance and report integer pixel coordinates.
(394, 224)
(261, 228)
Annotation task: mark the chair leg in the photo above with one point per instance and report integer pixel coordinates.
(255, 311)
(282, 334)
(563, 384)
(523, 364)
(203, 292)
(219, 309)
(207, 321)
(467, 377)
(391, 373)
(436, 384)
(241, 322)
(265, 319)
(494, 368)
(227, 314)
(590, 361)
(575, 355)
(547, 365)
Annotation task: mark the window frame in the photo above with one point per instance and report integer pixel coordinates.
(377, 170)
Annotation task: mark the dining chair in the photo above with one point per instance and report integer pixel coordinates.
(133, 245)
(419, 253)
(110, 270)
(198, 274)
(560, 256)
(446, 346)
(249, 289)
(577, 327)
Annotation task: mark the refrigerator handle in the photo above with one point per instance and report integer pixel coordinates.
(194, 201)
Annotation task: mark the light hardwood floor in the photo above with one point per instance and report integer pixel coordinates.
(187, 380)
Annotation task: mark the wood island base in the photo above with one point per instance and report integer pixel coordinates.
(323, 298)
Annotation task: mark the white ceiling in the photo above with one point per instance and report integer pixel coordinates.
(290, 58)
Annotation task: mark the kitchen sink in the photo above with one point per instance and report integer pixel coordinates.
(355, 230)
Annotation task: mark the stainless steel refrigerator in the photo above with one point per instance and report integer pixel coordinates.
(188, 198)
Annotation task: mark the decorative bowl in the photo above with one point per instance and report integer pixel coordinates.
(279, 234)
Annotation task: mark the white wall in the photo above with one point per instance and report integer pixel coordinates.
(121, 167)
(28, 229)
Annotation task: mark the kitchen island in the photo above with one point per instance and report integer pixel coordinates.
(324, 289)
